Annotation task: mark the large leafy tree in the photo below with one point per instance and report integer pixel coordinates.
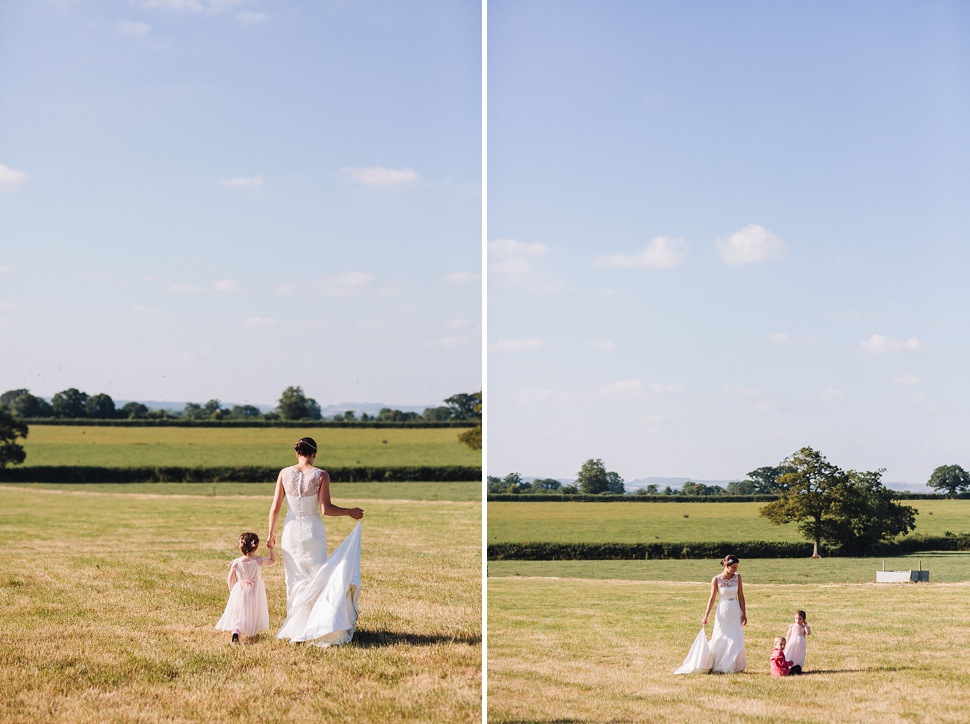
(594, 479)
(864, 513)
(807, 495)
(23, 404)
(852, 511)
(765, 480)
(294, 405)
(950, 478)
(466, 406)
(10, 429)
(71, 403)
(473, 437)
(100, 407)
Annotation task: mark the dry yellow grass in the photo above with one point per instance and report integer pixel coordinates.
(579, 650)
(108, 605)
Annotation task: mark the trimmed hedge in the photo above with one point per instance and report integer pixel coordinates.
(679, 551)
(580, 498)
(235, 474)
(178, 422)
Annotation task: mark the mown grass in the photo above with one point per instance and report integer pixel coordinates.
(213, 447)
(675, 522)
(598, 650)
(364, 491)
(108, 602)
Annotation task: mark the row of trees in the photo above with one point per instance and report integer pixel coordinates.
(293, 405)
(592, 479)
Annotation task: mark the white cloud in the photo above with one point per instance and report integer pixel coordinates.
(262, 322)
(878, 344)
(377, 176)
(611, 393)
(288, 288)
(513, 257)
(248, 183)
(662, 252)
(517, 345)
(222, 286)
(226, 285)
(130, 29)
(10, 180)
(450, 342)
(4, 269)
(751, 244)
(192, 6)
(347, 284)
(908, 379)
(462, 277)
(831, 394)
(141, 311)
(604, 345)
(250, 18)
(915, 399)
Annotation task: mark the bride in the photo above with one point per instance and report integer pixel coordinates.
(321, 592)
(725, 653)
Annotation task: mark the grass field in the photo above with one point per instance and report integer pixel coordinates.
(213, 447)
(108, 602)
(675, 522)
(584, 650)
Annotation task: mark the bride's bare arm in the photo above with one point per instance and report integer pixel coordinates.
(327, 506)
(274, 511)
(744, 614)
(710, 601)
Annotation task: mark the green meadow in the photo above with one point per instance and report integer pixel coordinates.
(676, 522)
(215, 447)
(108, 601)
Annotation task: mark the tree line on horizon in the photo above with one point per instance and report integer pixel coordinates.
(848, 511)
(293, 405)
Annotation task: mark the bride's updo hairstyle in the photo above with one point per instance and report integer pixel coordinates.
(306, 446)
(730, 560)
(248, 542)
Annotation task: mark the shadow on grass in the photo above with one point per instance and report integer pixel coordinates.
(376, 639)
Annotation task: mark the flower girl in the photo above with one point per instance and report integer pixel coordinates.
(247, 612)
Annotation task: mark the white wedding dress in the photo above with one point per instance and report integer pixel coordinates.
(321, 592)
(725, 652)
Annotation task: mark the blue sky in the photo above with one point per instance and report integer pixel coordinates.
(221, 198)
(719, 232)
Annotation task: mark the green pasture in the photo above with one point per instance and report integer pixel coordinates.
(594, 650)
(460, 491)
(108, 604)
(675, 522)
(213, 447)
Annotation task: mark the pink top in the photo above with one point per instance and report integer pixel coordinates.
(780, 666)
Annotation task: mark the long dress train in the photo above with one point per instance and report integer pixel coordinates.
(322, 592)
(725, 652)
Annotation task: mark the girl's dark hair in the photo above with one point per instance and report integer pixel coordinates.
(306, 446)
(802, 614)
(248, 542)
(729, 560)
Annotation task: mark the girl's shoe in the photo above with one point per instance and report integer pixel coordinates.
(235, 637)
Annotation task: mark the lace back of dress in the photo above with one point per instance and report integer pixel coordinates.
(299, 484)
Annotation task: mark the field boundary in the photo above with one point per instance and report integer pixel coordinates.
(664, 498)
(233, 474)
(177, 422)
(544, 551)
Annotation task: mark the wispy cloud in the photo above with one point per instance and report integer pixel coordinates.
(878, 344)
(750, 245)
(260, 322)
(348, 284)
(454, 342)
(222, 286)
(908, 379)
(610, 393)
(605, 345)
(517, 345)
(247, 183)
(462, 277)
(508, 256)
(831, 394)
(10, 180)
(141, 311)
(130, 29)
(378, 176)
(192, 6)
(661, 252)
(250, 19)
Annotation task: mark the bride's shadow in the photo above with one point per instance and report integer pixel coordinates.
(376, 639)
